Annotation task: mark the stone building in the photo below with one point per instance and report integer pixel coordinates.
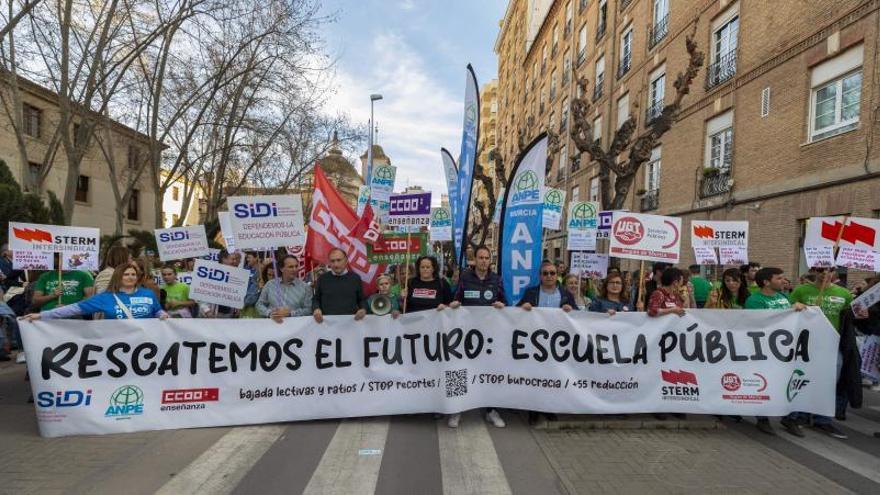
(94, 204)
(777, 127)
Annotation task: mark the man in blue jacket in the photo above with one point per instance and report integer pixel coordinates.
(548, 294)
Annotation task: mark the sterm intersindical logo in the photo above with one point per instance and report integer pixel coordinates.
(126, 401)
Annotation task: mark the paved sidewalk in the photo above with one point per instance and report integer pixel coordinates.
(674, 462)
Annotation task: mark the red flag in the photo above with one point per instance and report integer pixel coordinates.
(334, 224)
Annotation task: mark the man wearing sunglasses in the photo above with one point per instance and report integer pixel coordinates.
(548, 294)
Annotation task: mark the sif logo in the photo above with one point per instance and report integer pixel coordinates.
(553, 200)
(212, 274)
(173, 236)
(526, 188)
(255, 210)
(64, 398)
(796, 383)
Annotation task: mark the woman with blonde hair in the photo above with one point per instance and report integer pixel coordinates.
(124, 298)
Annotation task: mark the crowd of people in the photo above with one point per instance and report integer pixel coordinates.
(125, 288)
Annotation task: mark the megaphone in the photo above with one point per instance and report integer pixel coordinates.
(380, 305)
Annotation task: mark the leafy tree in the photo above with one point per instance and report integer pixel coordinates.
(18, 206)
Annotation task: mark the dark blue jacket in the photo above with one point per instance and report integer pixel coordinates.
(472, 291)
(531, 296)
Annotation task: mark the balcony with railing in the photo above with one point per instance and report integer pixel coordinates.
(722, 70)
(650, 200)
(715, 181)
(600, 31)
(658, 31)
(566, 76)
(582, 57)
(655, 109)
(554, 49)
(597, 89)
(576, 164)
(624, 4)
(567, 30)
(624, 66)
(560, 175)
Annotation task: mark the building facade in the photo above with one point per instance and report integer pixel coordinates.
(175, 206)
(777, 127)
(486, 146)
(95, 204)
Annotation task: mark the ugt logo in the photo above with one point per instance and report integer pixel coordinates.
(628, 230)
(213, 274)
(526, 188)
(255, 210)
(173, 236)
(553, 200)
(126, 401)
(796, 383)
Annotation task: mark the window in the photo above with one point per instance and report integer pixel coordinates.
(133, 205)
(555, 40)
(566, 68)
(575, 193)
(656, 94)
(582, 4)
(534, 74)
(600, 78)
(33, 118)
(836, 95)
(563, 122)
(660, 25)
(582, 45)
(652, 171)
(625, 52)
(597, 128)
(543, 94)
(175, 193)
(134, 157)
(553, 85)
(174, 218)
(543, 59)
(765, 102)
(563, 159)
(594, 189)
(603, 16)
(568, 16)
(82, 189)
(35, 170)
(622, 110)
(724, 42)
(719, 141)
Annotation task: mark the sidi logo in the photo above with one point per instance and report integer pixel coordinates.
(255, 210)
(212, 274)
(173, 236)
(64, 398)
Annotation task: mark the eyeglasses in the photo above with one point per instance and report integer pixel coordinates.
(546, 274)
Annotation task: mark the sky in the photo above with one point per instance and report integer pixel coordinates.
(414, 53)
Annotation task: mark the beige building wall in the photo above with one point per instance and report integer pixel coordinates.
(98, 206)
(774, 169)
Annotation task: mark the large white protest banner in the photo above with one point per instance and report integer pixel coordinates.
(262, 222)
(182, 242)
(214, 283)
(645, 237)
(79, 246)
(93, 377)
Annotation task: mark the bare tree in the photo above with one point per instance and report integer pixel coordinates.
(640, 148)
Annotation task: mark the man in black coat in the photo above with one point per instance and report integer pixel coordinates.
(548, 294)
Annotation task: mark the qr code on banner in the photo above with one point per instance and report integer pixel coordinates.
(456, 383)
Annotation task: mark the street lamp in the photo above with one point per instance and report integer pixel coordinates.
(373, 98)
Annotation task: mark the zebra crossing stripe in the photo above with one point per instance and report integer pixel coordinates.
(351, 463)
(468, 461)
(860, 424)
(222, 466)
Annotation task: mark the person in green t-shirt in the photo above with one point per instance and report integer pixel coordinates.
(701, 286)
(830, 298)
(75, 286)
(177, 301)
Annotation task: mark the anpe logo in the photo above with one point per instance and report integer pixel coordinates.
(64, 398)
(796, 383)
(553, 197)
(731, 382)
(126, 401)
(384, 173)
(527, 181)
(255, 210)
(173, 236)
(440, 215)
(628, 230)
(526, 188)
(187, 395)
(584, 211)
(684, 386)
